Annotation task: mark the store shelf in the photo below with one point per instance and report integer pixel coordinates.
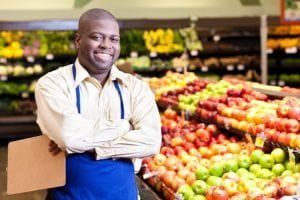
(275, 93)
(16, 127)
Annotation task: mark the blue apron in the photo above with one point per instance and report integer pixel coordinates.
(90, 179)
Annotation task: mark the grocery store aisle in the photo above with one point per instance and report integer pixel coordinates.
(39, 195)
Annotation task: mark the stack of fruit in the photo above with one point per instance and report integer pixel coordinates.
(189, 102)
(171, 97)
(197, 161)
(163, 41)
(171, 81)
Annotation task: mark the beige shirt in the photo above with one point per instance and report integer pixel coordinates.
(98, 127)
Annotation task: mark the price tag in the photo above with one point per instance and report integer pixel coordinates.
(281, 83)
(260, 140)
(204, 69)
(134, 54)
(216, 38)
(230, 67)
(30, 59)
(25, 95)
(241, 67)
(150, 174)
(272, 82)
(3, 78)
(291, 50)
(269, 51)
(194, 53)
(153, 54)
(3, 60)
(49, 56)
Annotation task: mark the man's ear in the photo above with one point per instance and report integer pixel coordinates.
(77, 40)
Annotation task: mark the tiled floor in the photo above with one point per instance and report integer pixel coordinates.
(39, 195)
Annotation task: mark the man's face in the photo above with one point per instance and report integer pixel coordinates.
(98, 45)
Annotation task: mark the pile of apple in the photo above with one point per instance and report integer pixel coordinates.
(258, 175)
(251, 112)
(171, 81)
(171, 97)
(212, 90)
(197, 161)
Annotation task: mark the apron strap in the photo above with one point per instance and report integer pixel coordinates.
(116, 84)
(77, 89)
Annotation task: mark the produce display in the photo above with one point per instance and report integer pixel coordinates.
(247, 147)
(17, 44)
(198, 161)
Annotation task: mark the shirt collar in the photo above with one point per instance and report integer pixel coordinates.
(82, 74)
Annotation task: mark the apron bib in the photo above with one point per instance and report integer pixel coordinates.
(90, 179)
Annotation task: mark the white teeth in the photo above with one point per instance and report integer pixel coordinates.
(103, 56)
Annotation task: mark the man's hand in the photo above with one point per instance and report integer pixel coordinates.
(53, 148)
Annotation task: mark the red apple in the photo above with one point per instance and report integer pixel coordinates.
(203, 135)
(211, 128)
(294, 113)
(167, 150)
(190, 137)
(159, 159)
(176, 141)
(168, 178)
(172, 162)
(291, 125)
(183, 173)
(191, 178)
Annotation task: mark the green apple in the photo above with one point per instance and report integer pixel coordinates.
(244, 161)
(265, 174)
(292, 166)
(216, 169)
(266, 161)
(199, 187)
(186, 191)
(231, 165)
(241, 172)
(277, 169)
(201, 173)
(254, 168)
(230, 186)
(249, 176)
(214, 181)
(278, 155)
(287, 173)
(256, 155)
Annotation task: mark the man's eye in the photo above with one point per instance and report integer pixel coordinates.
(115, 39)
(97, 37)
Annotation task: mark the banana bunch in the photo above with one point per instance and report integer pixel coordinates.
(289, 42)
(191, 39)
(10, 46)
(162, 41)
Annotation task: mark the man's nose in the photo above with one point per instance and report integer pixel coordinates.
(105, 43)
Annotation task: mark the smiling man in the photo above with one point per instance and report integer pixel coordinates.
(101, 117)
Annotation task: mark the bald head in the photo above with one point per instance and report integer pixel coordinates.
(94, 14)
